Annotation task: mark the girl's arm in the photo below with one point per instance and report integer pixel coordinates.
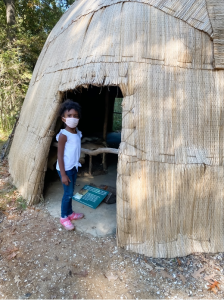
(61, 146)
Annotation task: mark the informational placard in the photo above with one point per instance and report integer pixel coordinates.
(90, 196)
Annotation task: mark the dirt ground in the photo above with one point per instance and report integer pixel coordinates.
(39, 259)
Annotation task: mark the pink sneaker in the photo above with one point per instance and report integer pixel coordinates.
(67, 223)
(75, 216)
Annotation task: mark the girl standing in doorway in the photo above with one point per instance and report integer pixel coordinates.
(69, 150)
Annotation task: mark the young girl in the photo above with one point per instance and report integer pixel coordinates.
(69, 149)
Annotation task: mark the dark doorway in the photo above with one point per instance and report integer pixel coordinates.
(100, 123)
(93, 101)
(93, 104)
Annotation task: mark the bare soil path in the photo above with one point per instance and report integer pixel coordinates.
(39, 259)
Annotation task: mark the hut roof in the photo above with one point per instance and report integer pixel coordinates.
(204, 15)
(193, 12)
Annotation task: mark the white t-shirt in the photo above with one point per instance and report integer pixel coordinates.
(72, 149)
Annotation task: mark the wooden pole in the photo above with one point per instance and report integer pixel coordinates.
(105, 125)
(99, 151)
(90, 165)
(104, 162)
(106, 114)
(94, 152)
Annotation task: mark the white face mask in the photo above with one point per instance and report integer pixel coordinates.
(71, 122)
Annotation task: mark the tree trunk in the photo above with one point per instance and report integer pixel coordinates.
(10, 12)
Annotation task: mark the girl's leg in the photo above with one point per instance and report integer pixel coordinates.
(68, 193)
(72, 176)
(73, 215)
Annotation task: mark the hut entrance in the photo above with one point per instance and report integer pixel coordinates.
(100, 125)
(101, 128)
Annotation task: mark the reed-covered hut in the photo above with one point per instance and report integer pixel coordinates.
(167, 58)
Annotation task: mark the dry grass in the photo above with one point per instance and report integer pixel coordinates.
(9, 196)
(3, 137)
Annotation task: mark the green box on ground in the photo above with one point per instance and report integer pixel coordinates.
(90, 196)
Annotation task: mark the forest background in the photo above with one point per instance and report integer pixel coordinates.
(25, 26)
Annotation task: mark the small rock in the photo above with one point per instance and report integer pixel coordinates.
(149, 267)
(111, 276)
(159, 268)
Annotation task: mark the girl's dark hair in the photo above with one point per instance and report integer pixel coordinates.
(68, 105)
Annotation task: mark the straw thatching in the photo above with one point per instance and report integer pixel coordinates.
(164, 55)
(216, 15)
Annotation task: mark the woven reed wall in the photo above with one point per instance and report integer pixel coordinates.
(216, 15)
(170, 170)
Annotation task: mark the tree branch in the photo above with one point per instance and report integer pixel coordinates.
(10, 12)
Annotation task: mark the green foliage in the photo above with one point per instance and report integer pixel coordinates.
(20, 46)
(3, 137)
(117, 116)
(21, 203)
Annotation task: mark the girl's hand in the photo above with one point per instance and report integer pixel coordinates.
(65, 179)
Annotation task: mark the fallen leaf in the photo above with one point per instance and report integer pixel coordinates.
(179, 262)
(166, 274)
(31, 207)
(153, 273)
(45, 279)
(12, 217)
(210, 278)
(111, 276)
(13, 230)
(17, 280)
(12, 255)
(9, 251)
(13, 208)
(197, 273)
(5, 213)
(213, 287)
(82, 274)
(13, 249)
(182, 278)
(58, 242)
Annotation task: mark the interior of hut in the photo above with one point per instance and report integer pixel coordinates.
(100, 125)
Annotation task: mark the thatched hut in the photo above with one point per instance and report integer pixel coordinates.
(167, 58)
